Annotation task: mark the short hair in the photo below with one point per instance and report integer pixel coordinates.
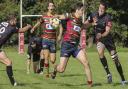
(49, 3)
(104, 3)
(76, 6)
(11, 17)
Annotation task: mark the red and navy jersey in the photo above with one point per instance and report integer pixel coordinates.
(48, 32)
(6, 31)
(102, 21)
(73, 29)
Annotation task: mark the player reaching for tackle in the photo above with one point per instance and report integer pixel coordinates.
(70, 43)
(7, 29)
(102, 27)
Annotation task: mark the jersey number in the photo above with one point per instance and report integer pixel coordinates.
(2, 30)
(49, 26)
(77, 28)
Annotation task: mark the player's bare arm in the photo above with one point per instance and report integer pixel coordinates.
(60, 33)
(24, 29)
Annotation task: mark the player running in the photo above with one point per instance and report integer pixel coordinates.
(102, 27)
(70, 44)
(7, 29)
(48, 36)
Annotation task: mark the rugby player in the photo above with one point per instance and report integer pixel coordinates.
(102, 27)
(34, 50)
(48, 37)
(70, 43)
(7, 29)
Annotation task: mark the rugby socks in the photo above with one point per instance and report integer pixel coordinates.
(10, 74)
(46, 67)
(105, 64)
(41, 64)
(119, 69)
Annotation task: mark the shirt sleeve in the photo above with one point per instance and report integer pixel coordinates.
(67, 15)
(109, 20)
(90, 18)
(16, 30)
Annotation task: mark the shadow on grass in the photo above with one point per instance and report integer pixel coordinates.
(28, 84)
(71, 75)
(73, 85)
(24, 84)
(14, 70)
(119, 84)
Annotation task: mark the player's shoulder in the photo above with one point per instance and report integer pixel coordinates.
(108, 16)
(93, 14)
(44, 14)
(5, 24)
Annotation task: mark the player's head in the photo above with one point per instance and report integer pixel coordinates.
(102, 8)
(33, 44)
(12, 20)
(78, 8)
(51, 6)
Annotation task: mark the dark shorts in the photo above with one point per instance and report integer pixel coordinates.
(34, 57)
(0, 50)
(109, 44)
(68, 49)
(49, 45)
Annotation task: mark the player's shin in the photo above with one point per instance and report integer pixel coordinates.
(53, 74)
(41, 65)
(46, 69)
(118, 65)
(10, 74)
(105, 64)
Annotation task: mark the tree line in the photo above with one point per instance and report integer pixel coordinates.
(117, 8)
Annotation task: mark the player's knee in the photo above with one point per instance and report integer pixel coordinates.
(101, 54)
(53, 61)
(9, 62)
(114, 56)
(61, 69)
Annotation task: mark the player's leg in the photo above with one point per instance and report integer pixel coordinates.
(36, 58)
(115, 58)
(60, 67)
(28, 63)
(82, 57)
(112, 50)
(100, 49)
(46, 62)
(52, 54)
(41, 61)
(65, 54)
(45, 45)
(4, 59)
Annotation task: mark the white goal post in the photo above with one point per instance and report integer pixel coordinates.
(21, 35)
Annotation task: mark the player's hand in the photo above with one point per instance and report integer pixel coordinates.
(29, 26)
(32, 30)
(98, 36)
(95, 21)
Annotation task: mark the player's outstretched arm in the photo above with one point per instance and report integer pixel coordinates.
(35, 26)
(60, 16)
(24, 29)
(60, 33)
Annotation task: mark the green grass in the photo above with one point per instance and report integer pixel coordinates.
(72, 78)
